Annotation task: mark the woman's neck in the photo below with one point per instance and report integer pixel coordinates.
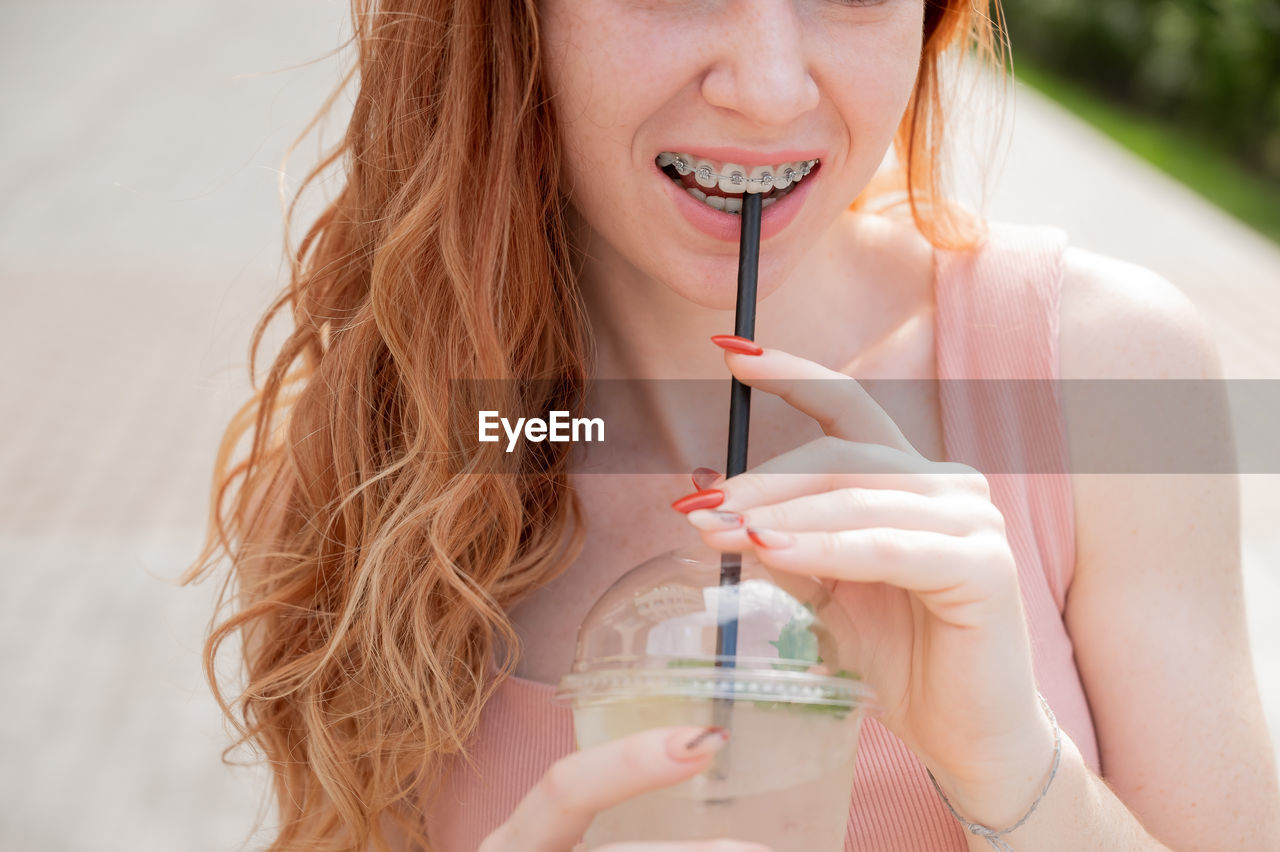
(830, 308)
(644, 329)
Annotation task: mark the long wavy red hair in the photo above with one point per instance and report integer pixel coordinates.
(372, 561)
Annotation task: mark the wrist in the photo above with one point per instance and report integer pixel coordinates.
(1008, 789)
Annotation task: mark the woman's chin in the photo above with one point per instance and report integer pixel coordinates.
(720, 295)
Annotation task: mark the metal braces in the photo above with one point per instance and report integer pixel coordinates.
(737, 178)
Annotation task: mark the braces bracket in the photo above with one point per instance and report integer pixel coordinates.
(737, 178)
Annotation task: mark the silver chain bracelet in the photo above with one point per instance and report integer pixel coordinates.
(991, 835)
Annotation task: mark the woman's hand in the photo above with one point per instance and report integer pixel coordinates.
(918, 558)
(555, 814)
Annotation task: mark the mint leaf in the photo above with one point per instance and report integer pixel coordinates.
(797, 641)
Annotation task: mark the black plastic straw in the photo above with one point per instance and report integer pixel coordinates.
(739, 419)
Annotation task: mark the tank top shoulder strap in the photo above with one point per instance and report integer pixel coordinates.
(997, 327)
(998, 304)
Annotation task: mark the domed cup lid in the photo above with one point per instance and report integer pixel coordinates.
(654, 633)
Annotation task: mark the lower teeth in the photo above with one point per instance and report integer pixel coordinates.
(732, 204)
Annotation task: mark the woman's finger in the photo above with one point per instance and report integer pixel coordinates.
(837, 402)
(853, 508)
(705, 477)
(827, 464)
(555, 814)
(945, 571)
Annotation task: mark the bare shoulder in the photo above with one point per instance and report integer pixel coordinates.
(890, 246)
(1156, 598)
(1121, 320)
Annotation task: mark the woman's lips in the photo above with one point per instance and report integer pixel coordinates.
(728, 226)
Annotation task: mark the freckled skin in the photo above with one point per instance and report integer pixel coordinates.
(630, 78)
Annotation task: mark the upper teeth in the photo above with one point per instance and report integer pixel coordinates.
(732, 177)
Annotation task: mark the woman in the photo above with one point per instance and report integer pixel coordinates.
(513, 208)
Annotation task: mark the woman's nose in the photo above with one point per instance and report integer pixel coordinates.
(760, 65)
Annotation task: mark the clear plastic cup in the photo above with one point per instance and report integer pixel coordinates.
(647, 657)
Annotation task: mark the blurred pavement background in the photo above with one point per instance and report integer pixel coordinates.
(140, 240)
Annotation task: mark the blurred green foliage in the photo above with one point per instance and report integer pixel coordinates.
(1194, 161)
(1210, 66)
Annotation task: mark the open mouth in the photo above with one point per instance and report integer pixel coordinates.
(722, 185)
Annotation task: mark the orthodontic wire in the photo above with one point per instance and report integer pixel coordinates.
(684, 167)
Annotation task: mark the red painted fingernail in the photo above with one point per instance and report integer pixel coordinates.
(770, 539)
(710, 740)
(734, 343)
(731, 520)
(699, 500)
(703, 477)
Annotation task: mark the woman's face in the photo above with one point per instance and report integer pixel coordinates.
(756, 84)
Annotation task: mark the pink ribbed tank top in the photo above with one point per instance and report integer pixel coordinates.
(996, 318)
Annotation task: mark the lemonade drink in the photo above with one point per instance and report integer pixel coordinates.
(787, 774)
